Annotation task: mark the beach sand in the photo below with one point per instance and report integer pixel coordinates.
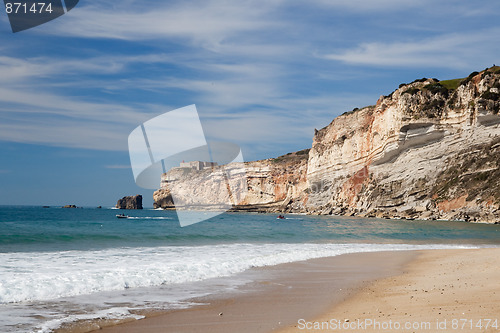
(441, 291)
(279, 295)
(431, 290)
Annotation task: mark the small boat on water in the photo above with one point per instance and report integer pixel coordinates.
(122, 216)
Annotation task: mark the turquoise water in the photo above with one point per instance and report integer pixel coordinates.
(61, 265)
(24, 229)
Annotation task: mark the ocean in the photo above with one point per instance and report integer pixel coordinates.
(59, 266)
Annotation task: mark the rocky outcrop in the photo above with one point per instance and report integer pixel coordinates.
(429, 150)
(162, 198)
(130, 202)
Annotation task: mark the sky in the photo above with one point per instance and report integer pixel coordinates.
(263, 75)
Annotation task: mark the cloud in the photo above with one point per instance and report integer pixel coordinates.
(369, 5)
(39, 116)
(17, 69)
(200, 22)
(190, 32)
(35, 92)
(64, 133)
(289, 123)
(34, 102)
(249, 101)
(448, 50)
(252, 67)
(117, 166)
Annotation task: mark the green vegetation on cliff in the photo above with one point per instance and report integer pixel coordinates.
(292, 157)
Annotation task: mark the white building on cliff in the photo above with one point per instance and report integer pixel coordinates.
(198, 165)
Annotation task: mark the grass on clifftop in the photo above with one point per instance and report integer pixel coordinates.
(298, 155)
(494, 69)
(357, 109)
(455, 83)
(451, 84)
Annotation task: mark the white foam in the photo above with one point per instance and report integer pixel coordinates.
(109, 314)
(52, 275)
(150, 217)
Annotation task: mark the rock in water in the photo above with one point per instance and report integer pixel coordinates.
(130, 202)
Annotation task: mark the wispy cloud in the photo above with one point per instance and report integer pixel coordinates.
(64, 133)
(117, 166)
(246, 98)
(201, 22)
(34, 102)
(259, 71)
(208, 38)
(17, 69)
(249, 102)
(369, 5)
(447, 50)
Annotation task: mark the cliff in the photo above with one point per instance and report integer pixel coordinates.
(272, 185)
(428, 150)
(277, 185)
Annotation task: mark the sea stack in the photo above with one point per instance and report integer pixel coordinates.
(130, 202)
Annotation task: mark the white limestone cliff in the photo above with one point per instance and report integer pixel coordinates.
(392, 159)
(428, 150)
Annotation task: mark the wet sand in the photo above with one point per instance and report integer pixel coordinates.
(279, 295)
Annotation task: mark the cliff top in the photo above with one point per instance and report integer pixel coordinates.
(433, 97)
(453, 84)
(292, 157)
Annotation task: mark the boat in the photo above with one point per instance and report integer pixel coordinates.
(280, 217)
(122, 216)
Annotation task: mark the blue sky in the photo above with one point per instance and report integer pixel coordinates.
(263, 74)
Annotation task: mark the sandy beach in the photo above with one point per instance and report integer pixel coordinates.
(278, 296)
(441, 291)
(414, 291)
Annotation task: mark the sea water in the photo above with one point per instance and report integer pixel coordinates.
(64, 265)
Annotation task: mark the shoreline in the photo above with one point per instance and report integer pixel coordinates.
(429, 287)
(403, 216)
(277, 295)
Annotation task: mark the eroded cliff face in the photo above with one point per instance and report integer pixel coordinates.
(429, 150)
(277, 185)
(425, 151)
(272, 185)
